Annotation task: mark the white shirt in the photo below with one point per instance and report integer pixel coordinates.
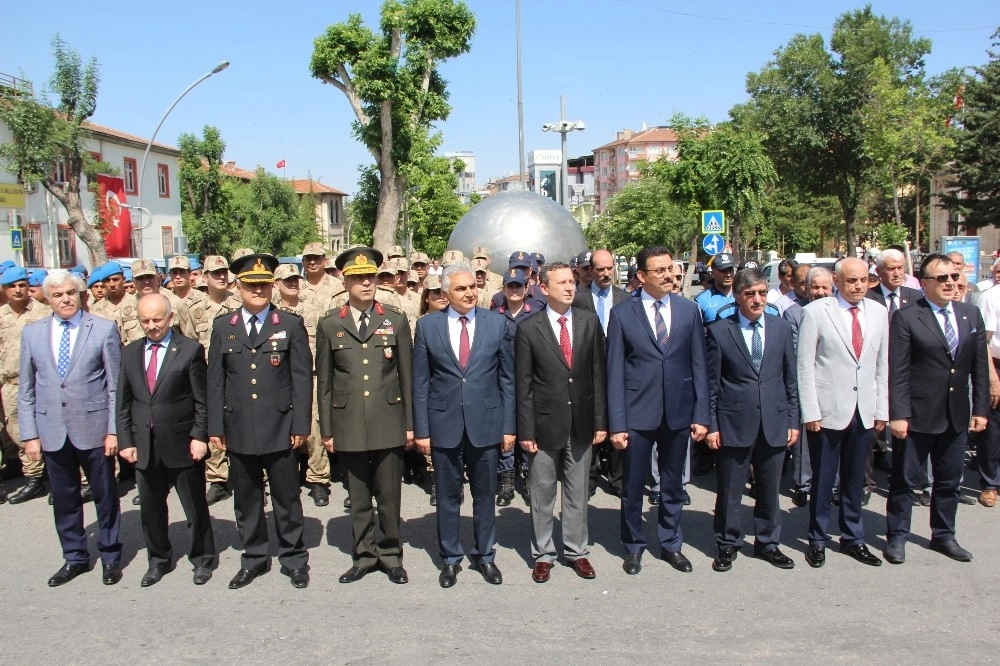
(356, 315)
(939, 318)
(774, 294)
(845, 313)
(785, 301)
(261, 318)
(160, 353)
(57, 331)
(989, 304)
(747, 331)
(557, 327)
(647, 305)
(885, 295)
(455, 329)
(604, 317)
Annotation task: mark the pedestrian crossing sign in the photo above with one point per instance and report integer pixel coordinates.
(713, 221)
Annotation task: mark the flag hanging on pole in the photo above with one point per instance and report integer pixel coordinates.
(281, 164)
(116, 220)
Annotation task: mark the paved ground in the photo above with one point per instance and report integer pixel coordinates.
(927, 611)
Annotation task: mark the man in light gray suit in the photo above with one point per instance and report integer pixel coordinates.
(843, 376)
(66, 410)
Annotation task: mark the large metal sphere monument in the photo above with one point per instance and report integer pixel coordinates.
(518, 221)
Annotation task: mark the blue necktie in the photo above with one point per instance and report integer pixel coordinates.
(602, 295)
(756, 347)
(949, 333)
(64, 350)
(661, 326)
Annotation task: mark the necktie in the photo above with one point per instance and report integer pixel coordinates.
(564, 344)
(949, 333)
(151, 368)
(602, 296)
(363, 325)
(661, 326)
(892, 304)
(463, 343)
(64, 349)
(253, 329)
(856, 338)
(756, 347)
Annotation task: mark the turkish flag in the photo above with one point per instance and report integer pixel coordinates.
(116, 220)
(281, 164)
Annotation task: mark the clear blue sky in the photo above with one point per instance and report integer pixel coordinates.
(618, 62)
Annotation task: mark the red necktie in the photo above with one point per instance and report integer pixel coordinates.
(463, 344)
(151, 368)
(567, 349)
(856, 338)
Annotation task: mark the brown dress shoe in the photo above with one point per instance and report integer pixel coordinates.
(583, 568)
(988, 497)
(540, 574)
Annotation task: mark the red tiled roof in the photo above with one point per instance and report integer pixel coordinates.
(234, 171)
(107, 131)
(652, 135)
(305, 186)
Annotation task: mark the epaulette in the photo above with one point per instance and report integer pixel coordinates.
(387, 306)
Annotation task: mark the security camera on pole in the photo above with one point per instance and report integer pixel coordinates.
(564, 127)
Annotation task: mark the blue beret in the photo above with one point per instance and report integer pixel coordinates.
(94, 278)
(78, 269)
(12, 275)
(127, 273)
(37, 277)
(195, 265)
(8, 264)
(111, 268)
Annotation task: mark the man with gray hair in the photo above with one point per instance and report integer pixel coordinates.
(69, 374)
(892, 292)
(993, 279)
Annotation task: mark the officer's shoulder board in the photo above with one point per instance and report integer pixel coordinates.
(386, 307)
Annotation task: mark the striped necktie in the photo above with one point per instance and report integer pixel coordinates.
(661, 326)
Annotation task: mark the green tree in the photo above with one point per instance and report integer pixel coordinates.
(794, 221)
(204, 198)
(810, 103)
(362, 209)
(641, 214)
(391, 80)
(44, 135)
(266, 210)
(977, 160)
(433, 208)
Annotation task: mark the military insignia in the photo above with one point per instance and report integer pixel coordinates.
(379, 309)
(259, 267)
(360, 259)
(340, 334)
(127, 311)
(275, 359)
(235, 318)
(232, 337)
(520, 255)
(274, 344)
(387, 352)
(343, 311)
(513, 272)
(274, 318)
(198, 313)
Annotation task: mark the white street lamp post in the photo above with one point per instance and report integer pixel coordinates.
(564, 127)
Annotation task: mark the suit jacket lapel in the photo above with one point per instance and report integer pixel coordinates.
(741, 344)
(833, 312)
(927, 315)
(442, 326)
(86, 325)
(550, 337)
(480, 330)
(240, 329)
(640, 313)
(267, 327)
(170, 354)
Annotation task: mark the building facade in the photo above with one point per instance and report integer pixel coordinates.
(616, 164)
(467, 176)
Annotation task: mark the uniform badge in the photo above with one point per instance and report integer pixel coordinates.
(387, 352)
(198, 313)
(274, 318)
(340, 334)
(232, 337)
(127, 311)
(276, 359)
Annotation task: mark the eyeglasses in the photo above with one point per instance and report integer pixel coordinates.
(750, 293)
(944, 277)
(658, 272)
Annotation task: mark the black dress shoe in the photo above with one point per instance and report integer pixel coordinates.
(800, 497)
(654, 498)
(136, 501)
(866, 497)
(632, 564)
(836, 497)
(724, 560)
(895, 552)
(320, 494)
(347, 502)
(962, 499)
(397, 575)
(112, 573)
(434, 495)
(244, 577)
(449, 575)
(201, 575)
(861, 553)
(153, 576)
(924, 498)
(354, 574)
(29, 491)
(952, 550)
(67, 573)
(686, 499)
(775, 557)
(490, 573)
(217, 492)
(87, 493)
(299, 577)
(676, 559)
(816, 556)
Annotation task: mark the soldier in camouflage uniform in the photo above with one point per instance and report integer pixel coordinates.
(409, 301)
(19, 311)
(494, 281)
(147, 281)
(420, 262)
(112, 276)
(287, 280)
(197, 302)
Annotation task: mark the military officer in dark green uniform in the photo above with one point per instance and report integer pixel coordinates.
(260, 380)
(363, 377)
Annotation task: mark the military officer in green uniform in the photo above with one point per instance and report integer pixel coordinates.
(363, 376)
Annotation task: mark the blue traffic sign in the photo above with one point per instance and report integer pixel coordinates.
(16, 239)
(713, 221)
(713, 244)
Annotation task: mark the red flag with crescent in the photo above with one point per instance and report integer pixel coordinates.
(116, 220)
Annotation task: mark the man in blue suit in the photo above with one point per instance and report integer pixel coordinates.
(657, 395)
(463, 408)
(755, 416)
(66, 409)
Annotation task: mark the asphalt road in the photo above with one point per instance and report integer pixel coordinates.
(929, 610)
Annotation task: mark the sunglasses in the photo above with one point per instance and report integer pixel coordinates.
(944, 277)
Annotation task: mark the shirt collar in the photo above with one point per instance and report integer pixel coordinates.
(886, 292)
(647, 300)
(937, 308)
(844, 305)
(554, 316)
(165, 342)
(596, 290)
(745, 323)
(74, 321)
(261, 316)
(454, 315)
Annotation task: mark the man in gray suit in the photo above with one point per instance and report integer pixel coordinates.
(66, 409)
(843, 371)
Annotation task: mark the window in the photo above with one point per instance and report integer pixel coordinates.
(135, 249)
(131, 174)
(59, 171)
(32, 239)
(66, 246)
(167, 240)
(163, 181)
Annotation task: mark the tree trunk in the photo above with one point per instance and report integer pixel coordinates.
(737, 229)
(390, 198)
(895, 201)
(69, 197)
(689, 275)
(916, 225)
(849, 232)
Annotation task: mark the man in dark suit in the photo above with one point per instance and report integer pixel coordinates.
(657, 394)
(934, 344)
(66, 409)
(463, 408)
(755, 417)
(891, 290)
(363, 365)
(562, 414)
(599, 297)
(260, 377)
(163, 431)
